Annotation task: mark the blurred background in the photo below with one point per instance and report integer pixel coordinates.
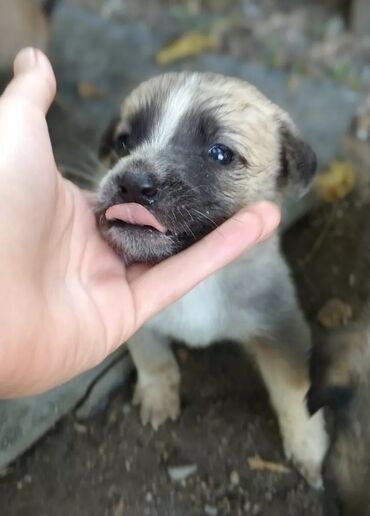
(71, 452)
(319, 38)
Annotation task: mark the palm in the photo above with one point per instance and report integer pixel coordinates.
(59, 247)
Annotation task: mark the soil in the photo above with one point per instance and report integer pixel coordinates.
(112, 466)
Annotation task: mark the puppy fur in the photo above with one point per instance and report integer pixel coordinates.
(168, 124)
(340, 371)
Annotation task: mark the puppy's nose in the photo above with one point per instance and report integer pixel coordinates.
(138, 187)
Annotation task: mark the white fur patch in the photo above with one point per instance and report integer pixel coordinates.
(178, 102)
(198, 317)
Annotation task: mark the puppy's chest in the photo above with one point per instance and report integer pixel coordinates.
(210, 312)
(198, 318)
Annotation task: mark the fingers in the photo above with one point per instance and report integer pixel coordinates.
(34, 80)
(171, 279)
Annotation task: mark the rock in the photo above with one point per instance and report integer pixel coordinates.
(98, 395)
(210, 510)
(181, 473)
(360, 17)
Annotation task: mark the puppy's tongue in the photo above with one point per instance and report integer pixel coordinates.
(133, 213)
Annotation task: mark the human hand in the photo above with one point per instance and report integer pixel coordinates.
(67, 300)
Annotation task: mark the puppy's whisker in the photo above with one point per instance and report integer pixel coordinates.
(190, 215)
(187, 229)
(205, 217)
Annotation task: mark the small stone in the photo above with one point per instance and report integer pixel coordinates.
(149, 497)
(210, 510)
(234, 478)
(79, 428)
(180, 473)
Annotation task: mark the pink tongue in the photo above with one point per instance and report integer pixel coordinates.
(134, 213)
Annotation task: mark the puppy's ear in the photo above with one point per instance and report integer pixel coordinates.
(330, 375)
(106, 145)
(298, 160)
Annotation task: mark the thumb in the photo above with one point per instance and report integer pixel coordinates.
(34, 80)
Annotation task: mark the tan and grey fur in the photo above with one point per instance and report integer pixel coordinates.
(340, 371)
(168, 124)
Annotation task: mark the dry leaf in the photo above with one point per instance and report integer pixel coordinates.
(258, 464)
(337, 182)
(88, 91)
(191, 44)
(334, 313)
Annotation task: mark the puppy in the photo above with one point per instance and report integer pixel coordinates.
(340, 370)
(186, 152)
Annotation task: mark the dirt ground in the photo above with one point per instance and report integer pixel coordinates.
(112, 466)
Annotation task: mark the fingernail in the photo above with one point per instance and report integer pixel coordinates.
(25, 60)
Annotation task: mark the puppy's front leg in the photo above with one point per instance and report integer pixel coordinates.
(157, 388)
(284, 368)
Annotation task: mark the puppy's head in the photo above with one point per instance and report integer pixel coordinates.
(340, 375)
(185, 153)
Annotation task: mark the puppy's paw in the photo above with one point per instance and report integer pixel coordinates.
(305, 445)
(158, 398)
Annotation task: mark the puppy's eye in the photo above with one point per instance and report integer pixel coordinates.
(121, 144)
(221, 154)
